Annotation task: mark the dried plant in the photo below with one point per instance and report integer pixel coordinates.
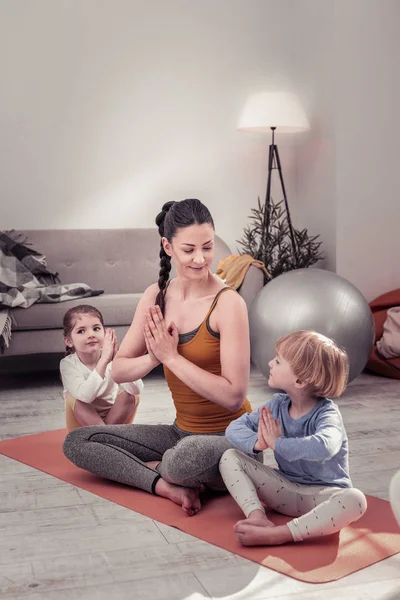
(268, 239)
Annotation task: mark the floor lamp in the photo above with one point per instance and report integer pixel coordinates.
(271, 111)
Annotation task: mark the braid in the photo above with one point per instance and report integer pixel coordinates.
(165, 268)
(165, 260)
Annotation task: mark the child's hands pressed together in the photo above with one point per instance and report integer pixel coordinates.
(109, 346)
(270, 427)
(261, 443)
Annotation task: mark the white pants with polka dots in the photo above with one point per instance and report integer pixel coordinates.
(318, 510)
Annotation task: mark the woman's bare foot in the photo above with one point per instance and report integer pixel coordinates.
(258, 517)
(153, 464)
(249, 534)
(188, 498)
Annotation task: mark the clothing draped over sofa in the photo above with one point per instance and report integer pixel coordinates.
(25, 280)
(233, 269)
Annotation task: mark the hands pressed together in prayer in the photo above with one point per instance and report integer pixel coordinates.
(269, 430)
(161, 341)
(109, 348)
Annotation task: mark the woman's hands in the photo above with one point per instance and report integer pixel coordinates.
(109, 346)
(150, 353)
(161, 341)
(269, 430)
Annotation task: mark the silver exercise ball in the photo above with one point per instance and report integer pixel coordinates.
(311, 299)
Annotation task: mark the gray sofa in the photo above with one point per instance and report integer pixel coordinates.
(122, 262)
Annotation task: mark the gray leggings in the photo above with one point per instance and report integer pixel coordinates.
(119, 452)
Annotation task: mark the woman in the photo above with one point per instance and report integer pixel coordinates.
(198, 329)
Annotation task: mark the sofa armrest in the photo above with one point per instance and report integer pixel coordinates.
(252, 284)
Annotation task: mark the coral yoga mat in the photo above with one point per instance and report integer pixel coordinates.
(374, 537)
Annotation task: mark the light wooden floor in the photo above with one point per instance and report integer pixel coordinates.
(61, 543)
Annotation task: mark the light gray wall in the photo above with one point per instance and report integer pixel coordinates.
(111, 108)
(346, 56)
(313, 66)
(367, 48)
(108, 109)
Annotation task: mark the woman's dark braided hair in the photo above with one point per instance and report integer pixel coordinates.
(173, 216)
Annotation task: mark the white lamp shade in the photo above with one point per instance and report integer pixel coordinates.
(273, 109)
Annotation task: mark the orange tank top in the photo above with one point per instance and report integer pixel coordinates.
(194, 413)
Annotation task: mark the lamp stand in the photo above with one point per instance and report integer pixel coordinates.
(274, 163)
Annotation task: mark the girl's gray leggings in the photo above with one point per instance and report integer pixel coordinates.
(120, 453)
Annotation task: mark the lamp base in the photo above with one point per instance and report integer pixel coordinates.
(274, 163)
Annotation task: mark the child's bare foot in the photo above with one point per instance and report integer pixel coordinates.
(258, 517)
(253, 535)
(188, 498)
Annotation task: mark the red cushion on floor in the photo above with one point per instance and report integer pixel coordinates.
(384, 367)
(379, 308)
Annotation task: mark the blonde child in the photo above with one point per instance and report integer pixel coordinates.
(305, 430)
(91, 395)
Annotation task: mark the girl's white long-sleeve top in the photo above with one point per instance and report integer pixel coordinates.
(88, 386)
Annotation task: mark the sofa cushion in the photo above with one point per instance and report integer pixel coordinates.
(117, 309)
(114, 260)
